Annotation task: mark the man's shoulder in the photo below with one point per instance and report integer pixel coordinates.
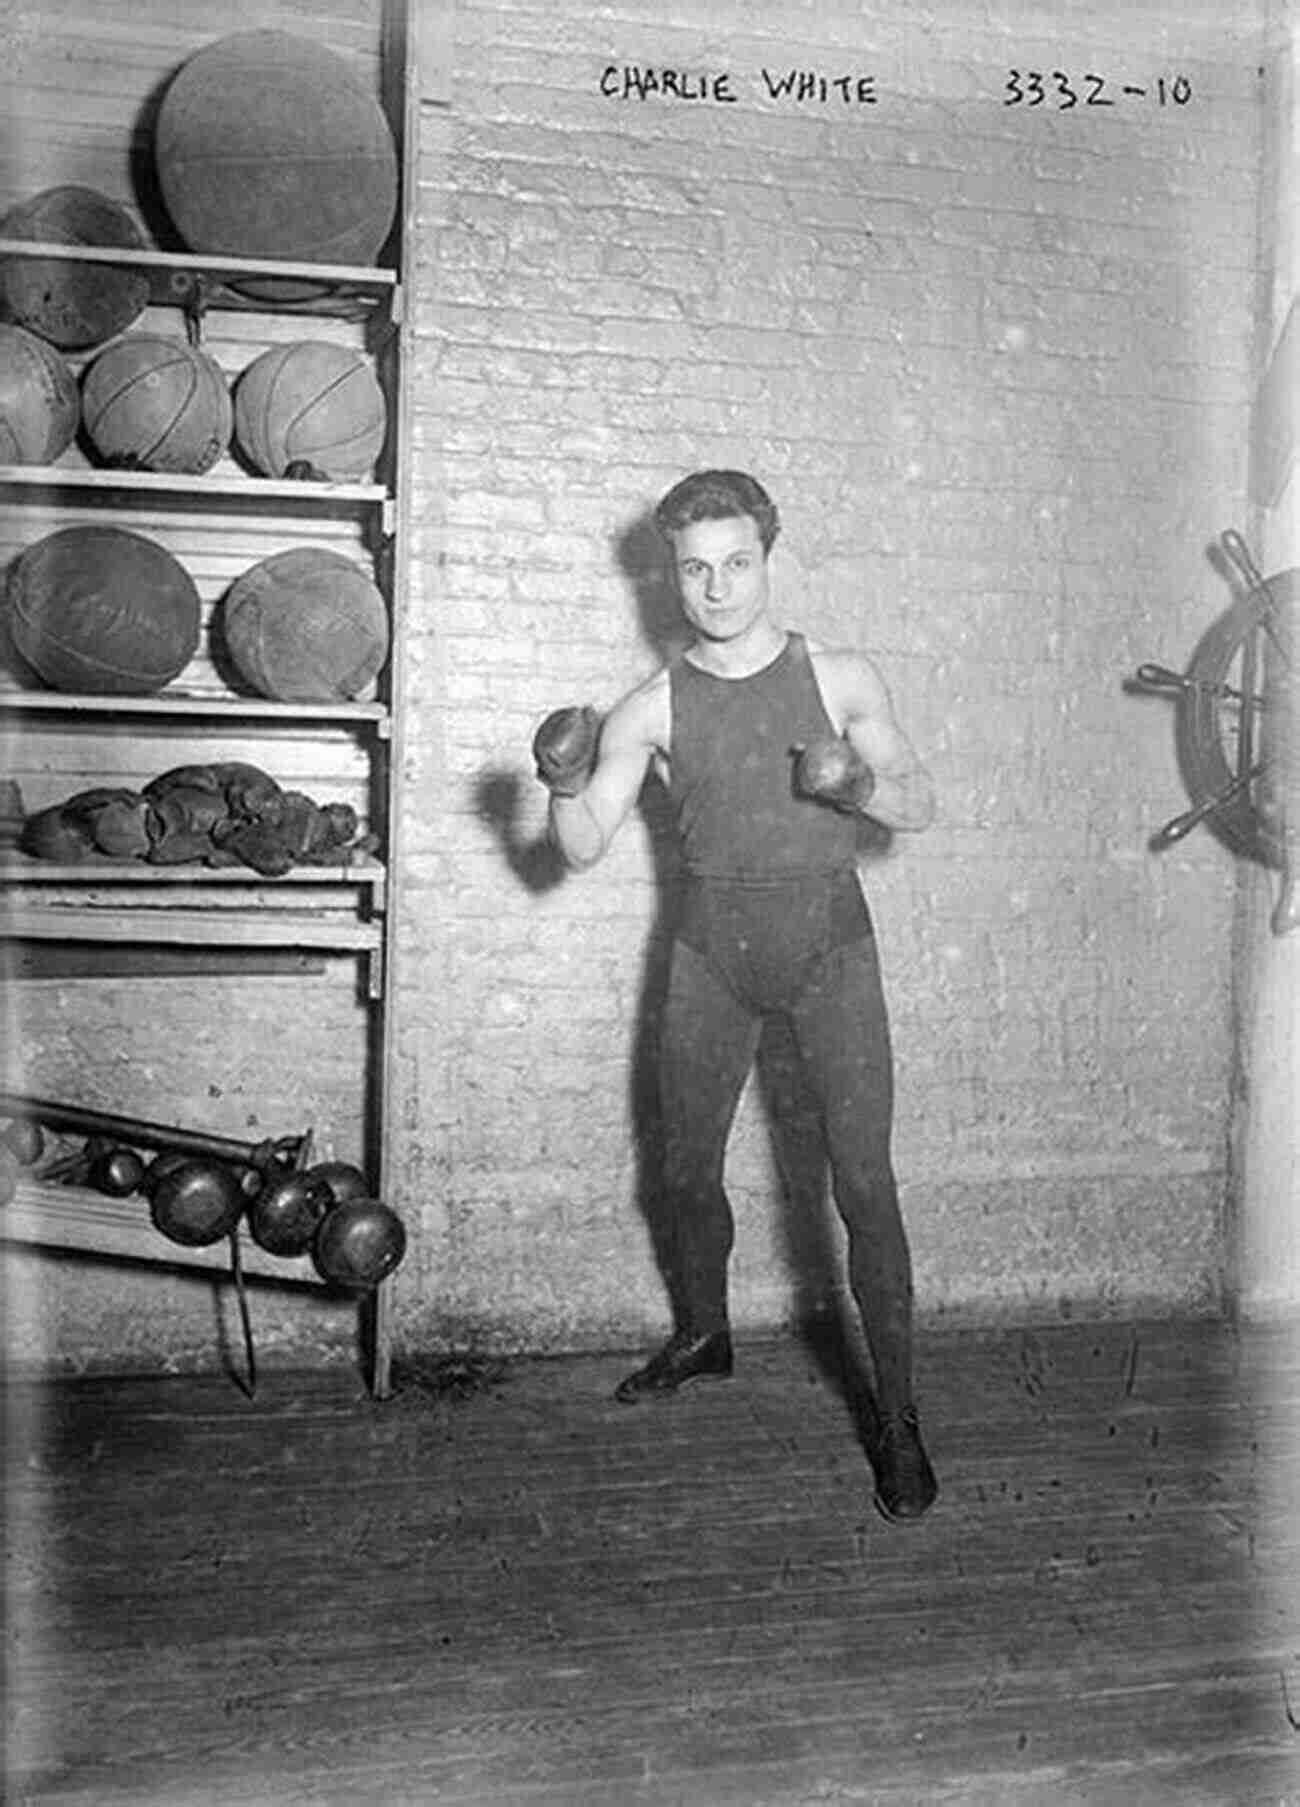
(649, 692)
(850, 679)
(641, 714)
(846, 660)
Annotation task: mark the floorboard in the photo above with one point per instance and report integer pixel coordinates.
(515, 1591)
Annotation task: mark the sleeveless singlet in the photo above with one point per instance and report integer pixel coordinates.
(732, 773)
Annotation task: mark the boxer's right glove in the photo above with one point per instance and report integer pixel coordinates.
(565, 747)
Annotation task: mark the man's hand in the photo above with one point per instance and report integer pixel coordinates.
(831, 771)
(565, 748)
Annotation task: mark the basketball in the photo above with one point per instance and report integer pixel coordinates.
(306, 626)
(314, 402)
(268, 145)
(72, 305)
(38, 399)
(359, 1243)
(156, 404)
(102, 610)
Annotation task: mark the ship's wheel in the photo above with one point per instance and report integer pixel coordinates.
(1236, 726)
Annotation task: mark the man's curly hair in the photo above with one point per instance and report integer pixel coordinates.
(719, 496)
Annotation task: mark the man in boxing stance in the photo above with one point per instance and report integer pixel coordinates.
(772, 748)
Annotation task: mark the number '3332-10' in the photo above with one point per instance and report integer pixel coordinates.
(1036, 88)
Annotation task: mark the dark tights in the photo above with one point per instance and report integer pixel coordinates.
(802, 950)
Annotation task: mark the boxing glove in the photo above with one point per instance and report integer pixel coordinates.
(255, 844)
(831, 771)
(120, 826)
(183, 821)
(314, 832)
(91, 825)
(58, 833)
(307, 834)
(245, 791)
(565, 747)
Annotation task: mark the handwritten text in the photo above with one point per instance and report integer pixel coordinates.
(803, 87)
(1063, 92)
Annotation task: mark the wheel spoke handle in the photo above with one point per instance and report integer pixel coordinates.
(1161, 679)
(1184, 824)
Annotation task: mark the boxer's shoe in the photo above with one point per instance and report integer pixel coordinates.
(682, 1358)
(906, 1487)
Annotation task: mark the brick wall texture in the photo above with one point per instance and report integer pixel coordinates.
(993, 358)
(1266, 1121)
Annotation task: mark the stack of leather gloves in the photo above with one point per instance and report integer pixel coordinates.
(225, 814)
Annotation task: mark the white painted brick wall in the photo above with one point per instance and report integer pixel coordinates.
(994, 364)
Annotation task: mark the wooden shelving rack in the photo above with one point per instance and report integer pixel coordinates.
(341, 908)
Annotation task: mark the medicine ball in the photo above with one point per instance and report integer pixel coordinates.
(117, 1171)
(72, 305)
(38, 399)
(102, 610)
(196, 1203)
(312, 402)
(268, 145)
(285, 1215)
(160, 1166)
(157, 404)
(342, 1178)
(305, 626)
(359, 1243)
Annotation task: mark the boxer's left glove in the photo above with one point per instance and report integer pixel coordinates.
(565, 748)
(832, 771)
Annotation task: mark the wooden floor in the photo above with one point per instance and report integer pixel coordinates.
(520, 1592)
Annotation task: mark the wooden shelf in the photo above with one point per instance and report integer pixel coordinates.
(175, 702)
(77, 1217)
(165, 925)
(182, 278)
(234, 486)
(364, 872)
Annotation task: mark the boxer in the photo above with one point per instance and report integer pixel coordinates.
(773, 748)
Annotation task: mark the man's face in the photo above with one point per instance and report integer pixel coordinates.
(721, 576)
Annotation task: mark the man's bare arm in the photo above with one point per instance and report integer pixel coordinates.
(583, 826)
(858, 702)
